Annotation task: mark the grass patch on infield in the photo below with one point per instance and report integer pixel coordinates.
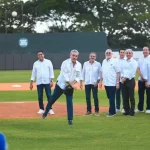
(90, 132)
(79, 97)
(17, 76)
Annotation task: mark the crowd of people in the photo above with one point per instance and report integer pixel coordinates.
(117, 75)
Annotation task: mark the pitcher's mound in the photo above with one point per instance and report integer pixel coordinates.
(29, 110)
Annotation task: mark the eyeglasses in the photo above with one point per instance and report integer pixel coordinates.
(129, 53)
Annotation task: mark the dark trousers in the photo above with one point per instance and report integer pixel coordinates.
(88, 89)
(40, 94)
(111, 91)
(128, 96)
(141, 92)
(118, 96)
(69, 99)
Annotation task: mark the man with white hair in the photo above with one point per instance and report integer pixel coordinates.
(111, 76)
(91, 75)
(142, 67)
(128, 83)
(69, 75)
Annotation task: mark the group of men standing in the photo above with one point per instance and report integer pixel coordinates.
(117, 75)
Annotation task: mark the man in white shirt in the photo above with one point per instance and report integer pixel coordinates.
(91, 76)
(147, 83)
(69, 75)
(111, 77)
(43, 72)
(121, 60)
(128, 83)
(142, 67)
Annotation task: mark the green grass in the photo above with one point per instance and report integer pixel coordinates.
(79, 96)
(19, 76)
(96, 133)
(22, 76)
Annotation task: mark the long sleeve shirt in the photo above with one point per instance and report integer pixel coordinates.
(91, 72)
(129, 69)
(69, 73)
(42, 71)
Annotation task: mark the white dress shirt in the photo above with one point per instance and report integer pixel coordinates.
(42, 71)
(69, 73)
(142, 64)
(129, 68)
(148, 70)
(146, 73)
(110, 68)
(120, 63)
(91, 72)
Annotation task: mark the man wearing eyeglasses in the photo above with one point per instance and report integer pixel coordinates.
(69, 75)
(111, 76)
(44, 74)
(142, 67)
(91, 75)
(128, 83)
(121, 60)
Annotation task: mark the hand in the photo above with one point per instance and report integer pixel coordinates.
(117, 86)
(51, 84)
(147, 85)
(95, 84)
(31, 86)
(81, 86)
(123, 80)
(73, 86)
(100, 84)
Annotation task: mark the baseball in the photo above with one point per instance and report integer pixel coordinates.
(14, 13)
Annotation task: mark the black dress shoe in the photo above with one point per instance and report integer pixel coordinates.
(126, 114)
(131, 114)
(70, 122)
(44, 115)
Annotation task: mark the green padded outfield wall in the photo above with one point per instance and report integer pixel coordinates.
(18, 51)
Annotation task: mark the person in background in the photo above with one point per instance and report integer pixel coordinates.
(69, 75)
(121, 60)
(91, 76)
(111, 76)
(44, 74)
(3, 142)
(128, 83)
(142, 67)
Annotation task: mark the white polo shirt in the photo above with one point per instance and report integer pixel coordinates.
(69, 73)
(42, 71)
(142, 65)
(129, 68)
(91, 72)
(110, 68)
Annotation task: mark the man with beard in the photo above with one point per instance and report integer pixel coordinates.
(91, 76)
(111, 77)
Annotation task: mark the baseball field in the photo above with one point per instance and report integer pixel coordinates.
(25, 130)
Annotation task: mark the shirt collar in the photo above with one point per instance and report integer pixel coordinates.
(41, 61)
(71, 61)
